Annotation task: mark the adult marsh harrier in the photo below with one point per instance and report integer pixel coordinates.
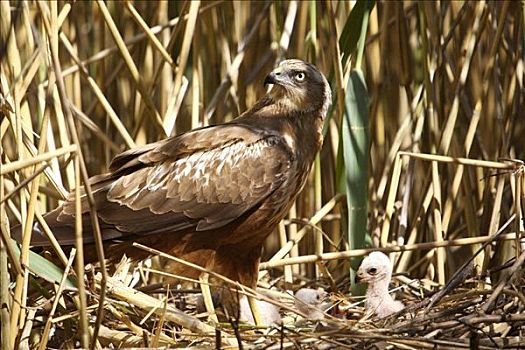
(211, 195)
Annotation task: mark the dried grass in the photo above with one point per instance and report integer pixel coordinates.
(82, 81)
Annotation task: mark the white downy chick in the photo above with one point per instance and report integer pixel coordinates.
(269, 312)
(376, 270)
(312, 302)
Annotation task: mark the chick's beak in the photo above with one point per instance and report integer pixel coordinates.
(357, 278)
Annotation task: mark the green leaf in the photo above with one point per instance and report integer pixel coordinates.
(43, 268)
(352, 28)
(355, 153)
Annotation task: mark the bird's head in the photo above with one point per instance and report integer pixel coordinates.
(299, 86)
(375, 267)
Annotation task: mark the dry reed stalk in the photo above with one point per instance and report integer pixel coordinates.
(158, 329)
(121, 339)
(150, 35)
(173, 107)
(237, 287)
(81, 169)
(47, 327)
(207, 297)
(126, 56)
(137, 330)
(5, 252)
(21, 164)
(444, 79)
(149, 303)
(129, 42)
(388, 249)
(102, 99)
(438, 230)
(512, 166)
(390, 199)
(314, 220)
(447, 211)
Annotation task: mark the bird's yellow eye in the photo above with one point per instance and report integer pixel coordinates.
(300, 76)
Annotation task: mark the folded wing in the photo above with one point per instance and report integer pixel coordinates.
(198, 181)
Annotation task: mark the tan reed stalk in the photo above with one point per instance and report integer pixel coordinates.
(392, 248)
(58, 295)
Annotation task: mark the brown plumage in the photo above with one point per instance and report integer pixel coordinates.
(211, 195)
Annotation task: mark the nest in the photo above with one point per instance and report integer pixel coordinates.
(465, 313)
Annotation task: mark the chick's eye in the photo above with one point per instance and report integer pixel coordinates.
(372, 271)
(300, 76)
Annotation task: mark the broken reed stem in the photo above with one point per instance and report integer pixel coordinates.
(318, 203)
(292, 237)
(392, 192)
(389, 249)
(517, 177)
(207, 297)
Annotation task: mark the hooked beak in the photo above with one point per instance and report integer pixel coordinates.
(275, 77)
(270, 79)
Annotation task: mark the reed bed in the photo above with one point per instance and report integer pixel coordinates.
(423, 159)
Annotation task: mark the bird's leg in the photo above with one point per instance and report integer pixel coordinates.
(206, 296)
(241, 264)
(252, 281)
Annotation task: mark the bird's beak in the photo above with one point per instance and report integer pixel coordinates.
(275, 77)
(270, 79)
(357, 278)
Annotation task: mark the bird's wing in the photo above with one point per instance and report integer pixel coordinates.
(201, 180)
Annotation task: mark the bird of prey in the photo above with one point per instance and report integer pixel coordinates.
(376, 270)
(211, 195)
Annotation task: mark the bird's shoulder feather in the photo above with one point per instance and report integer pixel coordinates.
(200, 180)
